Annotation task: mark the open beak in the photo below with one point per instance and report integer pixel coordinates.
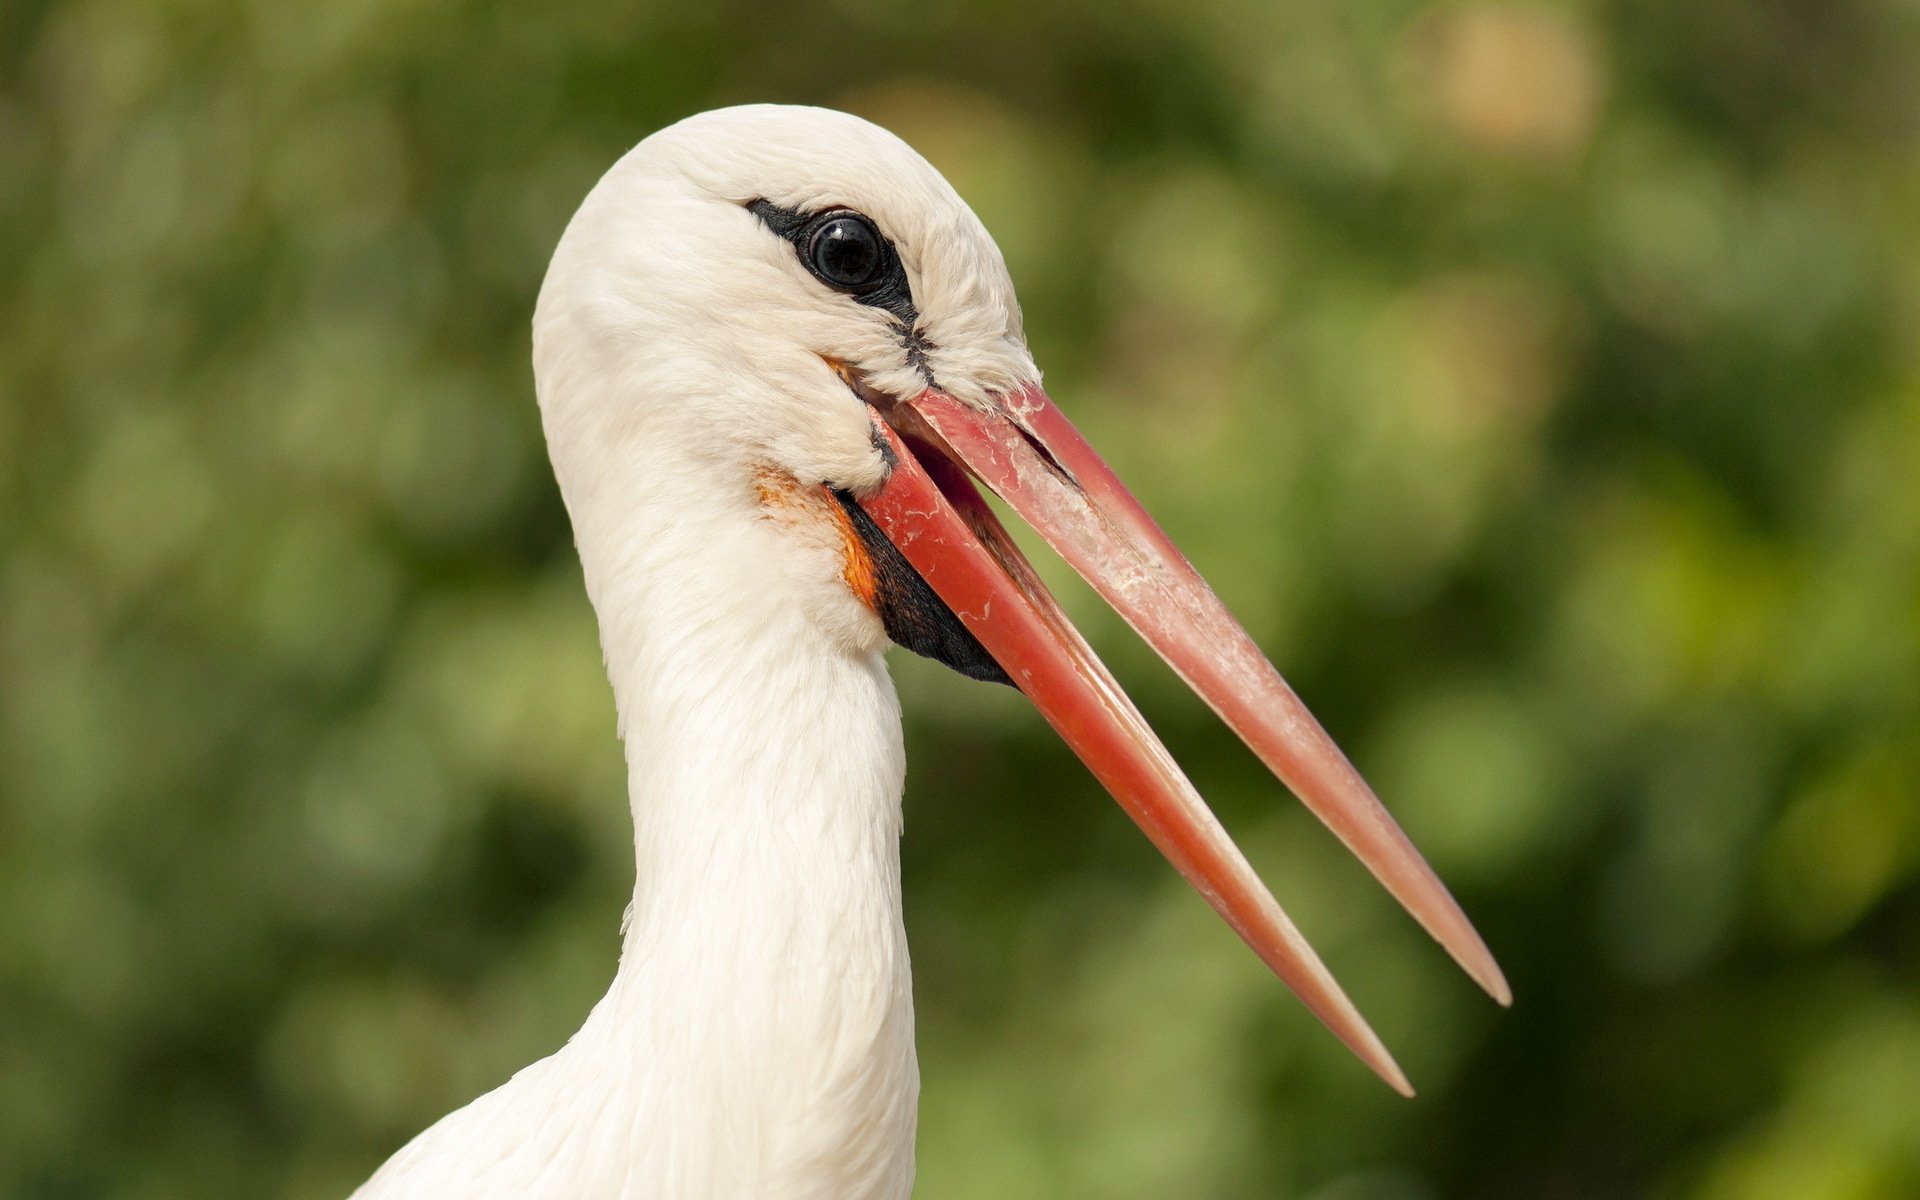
(1024, 450)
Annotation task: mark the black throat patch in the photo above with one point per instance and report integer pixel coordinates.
(914, 614)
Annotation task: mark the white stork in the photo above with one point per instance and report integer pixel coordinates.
(773, 350)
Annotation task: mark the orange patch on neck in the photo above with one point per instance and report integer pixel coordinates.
(840, 367)
(778, 490)
(856, 565)
(786, 500)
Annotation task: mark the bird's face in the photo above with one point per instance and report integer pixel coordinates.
(794, 302)
(760, 266)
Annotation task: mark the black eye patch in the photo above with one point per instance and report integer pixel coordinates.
(847, 252)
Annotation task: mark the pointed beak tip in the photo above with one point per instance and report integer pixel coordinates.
(1366, 1045)
(1486, 972)
(1381, 1062)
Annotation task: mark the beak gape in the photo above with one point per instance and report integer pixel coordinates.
(1024, 450)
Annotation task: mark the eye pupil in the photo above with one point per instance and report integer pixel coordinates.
(846, 252)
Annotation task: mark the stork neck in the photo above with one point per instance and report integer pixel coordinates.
(763, 991)
(742, 717)
(752, 743)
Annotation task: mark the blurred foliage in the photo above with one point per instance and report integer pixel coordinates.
(1540, 382)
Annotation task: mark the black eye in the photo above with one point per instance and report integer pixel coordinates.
(846, 252)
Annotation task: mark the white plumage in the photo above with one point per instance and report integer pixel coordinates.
(701, 390)
(758, 1038)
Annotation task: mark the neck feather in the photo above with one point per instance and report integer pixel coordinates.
(758, 1036)
(763, 990)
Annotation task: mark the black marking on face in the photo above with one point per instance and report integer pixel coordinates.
(914, 614)
(918, 347)
(883, 448)
(846, 251)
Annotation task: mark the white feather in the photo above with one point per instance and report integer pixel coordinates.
(758, 1038)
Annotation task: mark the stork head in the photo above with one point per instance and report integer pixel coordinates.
(754, 260)
(792, 300)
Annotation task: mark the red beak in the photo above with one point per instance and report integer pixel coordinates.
(1025, 450)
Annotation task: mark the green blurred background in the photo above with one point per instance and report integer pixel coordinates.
(1540, 382)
